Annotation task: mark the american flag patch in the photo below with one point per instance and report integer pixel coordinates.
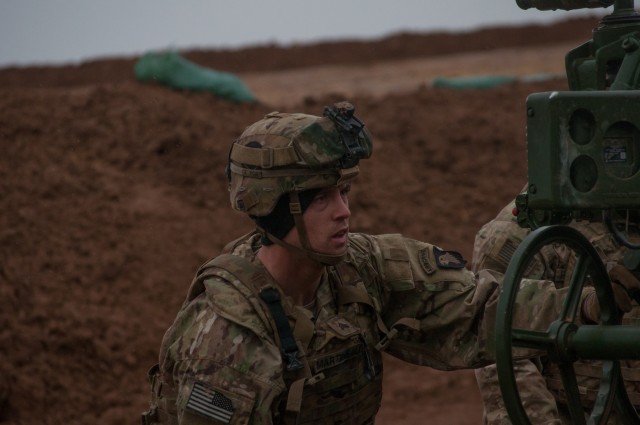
(210, 403)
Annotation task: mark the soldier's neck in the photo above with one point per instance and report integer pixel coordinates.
(297, 275)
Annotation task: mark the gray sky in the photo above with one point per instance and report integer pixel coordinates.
(69, 31)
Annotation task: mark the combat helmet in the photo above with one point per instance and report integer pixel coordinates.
(290, 155)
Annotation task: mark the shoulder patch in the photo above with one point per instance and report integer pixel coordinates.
(448, 259)
(425, 262)
(210, 403)
(506, 251)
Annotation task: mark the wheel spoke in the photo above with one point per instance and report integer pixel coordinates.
(572, 301)
(570, 385)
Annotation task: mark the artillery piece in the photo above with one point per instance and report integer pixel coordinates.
(583, 164)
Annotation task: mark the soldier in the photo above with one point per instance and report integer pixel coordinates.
(289, 323)
(539, 382)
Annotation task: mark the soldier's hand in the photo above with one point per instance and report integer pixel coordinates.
(590, 308)
(624, 285)
(622, 276)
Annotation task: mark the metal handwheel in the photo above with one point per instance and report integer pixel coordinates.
(566, 340)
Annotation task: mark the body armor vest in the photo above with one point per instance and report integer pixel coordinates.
(332, 371)
(339, 379)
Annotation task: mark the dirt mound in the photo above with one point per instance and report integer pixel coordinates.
(113, 193)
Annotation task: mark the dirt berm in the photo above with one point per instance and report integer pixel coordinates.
(112, 193)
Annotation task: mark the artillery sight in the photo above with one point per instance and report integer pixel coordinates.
(583, 155)
(583, 145)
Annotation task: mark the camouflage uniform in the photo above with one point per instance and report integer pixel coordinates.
(223, 341)
(241, 351)
(539, 383)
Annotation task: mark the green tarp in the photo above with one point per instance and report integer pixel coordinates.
(171, 69)
(486, 81)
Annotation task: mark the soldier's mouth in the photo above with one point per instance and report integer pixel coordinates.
(341, 236)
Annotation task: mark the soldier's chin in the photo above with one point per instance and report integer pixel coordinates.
(334, 251)
(340, 242)
(343, 249)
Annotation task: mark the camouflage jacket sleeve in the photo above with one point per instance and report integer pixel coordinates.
(444, 314)
(218, 347)
(496, 241)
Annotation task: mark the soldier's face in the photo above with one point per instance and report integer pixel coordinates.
(327, 221)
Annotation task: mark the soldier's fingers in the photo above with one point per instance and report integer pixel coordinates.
(623, 301)
(623, 276)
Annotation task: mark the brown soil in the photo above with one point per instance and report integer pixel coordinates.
(112, 194)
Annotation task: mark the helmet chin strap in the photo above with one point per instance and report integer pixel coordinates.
(307, 250)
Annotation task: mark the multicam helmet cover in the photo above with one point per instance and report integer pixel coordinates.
(284, 153)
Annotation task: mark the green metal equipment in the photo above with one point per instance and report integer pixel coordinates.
(583, 164)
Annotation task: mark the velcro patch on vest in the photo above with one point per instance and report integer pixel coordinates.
(342, 327)
(210, 403)
(448, 259)
(340, 357)
(425, 262)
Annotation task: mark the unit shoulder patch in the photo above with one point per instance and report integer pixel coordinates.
(448, 259)
(425, 262)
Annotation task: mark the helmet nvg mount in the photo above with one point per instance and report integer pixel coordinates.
(291, 153)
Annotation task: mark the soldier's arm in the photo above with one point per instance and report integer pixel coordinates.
(220, 363)
(443, 314)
